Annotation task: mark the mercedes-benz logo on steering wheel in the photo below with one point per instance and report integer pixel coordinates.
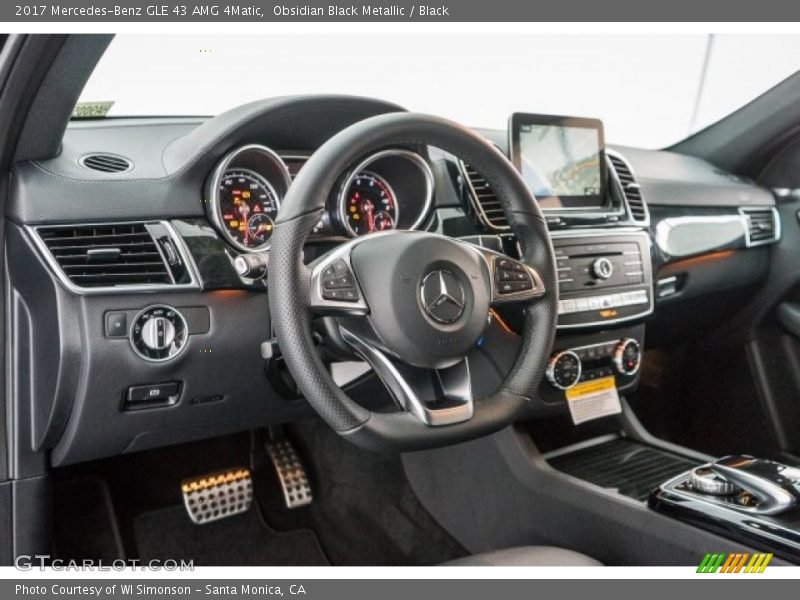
(442, 296)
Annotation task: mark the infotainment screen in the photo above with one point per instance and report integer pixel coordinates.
(561, 159)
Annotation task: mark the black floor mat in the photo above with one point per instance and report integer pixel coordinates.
(241, 540)
(364, 510)
(85, 522)
(627, 466)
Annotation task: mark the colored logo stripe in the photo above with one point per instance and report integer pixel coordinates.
(734, 563)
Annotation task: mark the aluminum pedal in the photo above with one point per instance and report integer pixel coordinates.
(291, 474)
(217, 495)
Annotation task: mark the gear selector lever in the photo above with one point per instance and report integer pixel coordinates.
(755, 485)
(753, 500)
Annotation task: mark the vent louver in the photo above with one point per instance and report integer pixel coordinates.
(630, 188)
(106, 255)
(106, 163)
(294, 163)
(486, 204)
(763, 226)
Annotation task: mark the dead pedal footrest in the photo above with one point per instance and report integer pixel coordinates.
(217, 495)
(291, 474)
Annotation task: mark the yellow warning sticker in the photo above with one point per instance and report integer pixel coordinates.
(590, 387)
(593, 399)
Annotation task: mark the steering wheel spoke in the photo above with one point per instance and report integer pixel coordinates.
(334, 289)
(434, 396)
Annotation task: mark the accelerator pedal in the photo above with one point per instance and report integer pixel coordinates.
(217, 495)
(291, 473)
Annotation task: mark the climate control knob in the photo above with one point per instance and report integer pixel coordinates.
(627, 357)
(158, 333)
(564, 369)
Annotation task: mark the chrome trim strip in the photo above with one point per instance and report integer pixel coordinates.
(700, 233)
(180, 247)
(413, 158)
(212, 190)
(456, 386)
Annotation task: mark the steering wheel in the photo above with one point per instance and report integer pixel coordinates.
(411, 304)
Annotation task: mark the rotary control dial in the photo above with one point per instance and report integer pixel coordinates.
(602, 268)
(564, 369)
(158, 333)
(627, 357)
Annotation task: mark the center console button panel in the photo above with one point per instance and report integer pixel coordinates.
(603, 278)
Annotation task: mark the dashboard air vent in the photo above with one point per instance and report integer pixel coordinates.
(763, 225)
(106, 255)
(486, 204)
(294, 163)
(106, 163)
(630, 188)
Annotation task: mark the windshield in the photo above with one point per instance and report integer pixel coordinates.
(650, 90)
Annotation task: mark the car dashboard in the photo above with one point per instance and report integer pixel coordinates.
(138, 266)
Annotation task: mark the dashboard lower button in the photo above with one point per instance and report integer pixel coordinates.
(156, 393)
(116, 324)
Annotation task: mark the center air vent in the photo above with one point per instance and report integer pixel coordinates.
(106, 255)
(484, 201)
(763, 225)
(293, 162)
(630, 188)
(106, 163)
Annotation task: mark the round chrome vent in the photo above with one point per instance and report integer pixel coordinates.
(106, 163)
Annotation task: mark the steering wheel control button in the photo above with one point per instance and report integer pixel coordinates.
(338, 283)
(116, 324)
(511, 277)
(443, 296)
(158, 333)
(564, 369)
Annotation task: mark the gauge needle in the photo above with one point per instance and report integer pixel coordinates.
(368, 209)
(244, 210)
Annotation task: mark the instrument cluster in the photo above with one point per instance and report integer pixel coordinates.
(390, 189)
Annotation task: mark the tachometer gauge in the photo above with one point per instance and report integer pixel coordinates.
(248, 205)
(368, 205)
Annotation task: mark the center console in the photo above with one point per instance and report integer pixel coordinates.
(752, 500)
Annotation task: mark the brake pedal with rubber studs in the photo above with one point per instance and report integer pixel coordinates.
(291, 473)
(217, 495)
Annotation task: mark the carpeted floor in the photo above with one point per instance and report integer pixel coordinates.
(241, 540)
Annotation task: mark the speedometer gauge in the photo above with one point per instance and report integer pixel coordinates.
(368, 205)
(248, 206)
